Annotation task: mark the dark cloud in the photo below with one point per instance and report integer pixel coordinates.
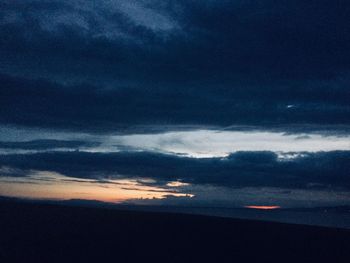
(325, 170)
(174, 62)
(85, 107)
(45, 144)
(225, 42)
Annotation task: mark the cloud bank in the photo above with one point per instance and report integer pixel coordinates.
(106, 64)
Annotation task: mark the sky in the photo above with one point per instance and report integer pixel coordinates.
(192, 103)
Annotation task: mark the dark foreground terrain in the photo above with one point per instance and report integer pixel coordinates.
(32, 232)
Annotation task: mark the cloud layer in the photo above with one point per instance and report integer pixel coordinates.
(38, 103)
(241, 169)
(83, 64)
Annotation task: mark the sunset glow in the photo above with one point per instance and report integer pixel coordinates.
(263, 207)
(50, 185)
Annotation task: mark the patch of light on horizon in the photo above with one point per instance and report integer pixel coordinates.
(52, 185)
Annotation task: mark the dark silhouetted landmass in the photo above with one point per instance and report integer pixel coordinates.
(38, 232)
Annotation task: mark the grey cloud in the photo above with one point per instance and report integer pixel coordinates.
(242, 169)
(45, 144)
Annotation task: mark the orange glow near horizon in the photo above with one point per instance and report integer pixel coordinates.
(263, 207)
(51, 185)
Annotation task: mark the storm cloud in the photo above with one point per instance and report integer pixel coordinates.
(85, 65)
